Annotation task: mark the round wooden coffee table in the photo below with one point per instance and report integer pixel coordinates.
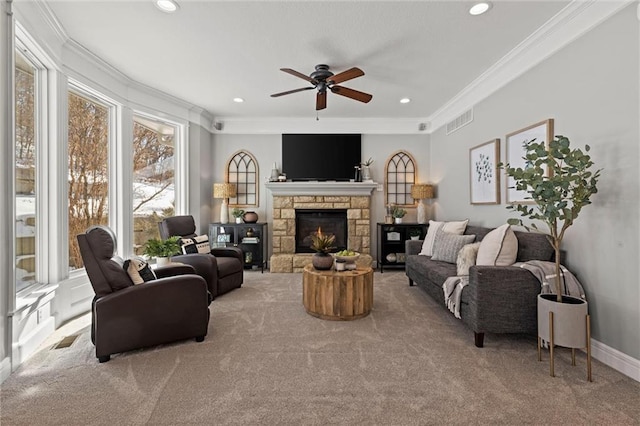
(337, 296)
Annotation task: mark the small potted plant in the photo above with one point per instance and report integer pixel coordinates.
(322, 244)
(398, 213)
(415, 233)
(365, 171)
(237, 213)
(162, 250)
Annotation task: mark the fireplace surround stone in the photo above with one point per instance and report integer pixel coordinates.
(284, 258)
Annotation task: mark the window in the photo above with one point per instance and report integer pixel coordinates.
(25, 170)
(88, 168)
(153, 177)
(242, 169)
(400, 174)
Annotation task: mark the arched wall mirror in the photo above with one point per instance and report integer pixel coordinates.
(400, 173)
(242, 169)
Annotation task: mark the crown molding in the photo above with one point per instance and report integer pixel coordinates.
(576, 19)
(130, 92)
(277, 125)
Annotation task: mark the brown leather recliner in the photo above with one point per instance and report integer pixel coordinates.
(125, 316)
(222, 268)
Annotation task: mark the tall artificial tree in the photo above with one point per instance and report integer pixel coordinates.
(560, 183)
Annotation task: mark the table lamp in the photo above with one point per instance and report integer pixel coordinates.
(224, 191)
(421, 191)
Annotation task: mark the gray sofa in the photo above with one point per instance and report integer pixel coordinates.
(498, 299)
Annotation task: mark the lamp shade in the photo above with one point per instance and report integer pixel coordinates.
(421, 191)
(224, 190)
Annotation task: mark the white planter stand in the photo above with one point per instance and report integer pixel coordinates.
(564, 324)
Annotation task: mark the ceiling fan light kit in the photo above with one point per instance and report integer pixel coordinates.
(323, 80)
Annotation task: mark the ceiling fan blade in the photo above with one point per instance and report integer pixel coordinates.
(298, 74)
(288, 92)
(321, 101)
(350, 93)
(346, 75)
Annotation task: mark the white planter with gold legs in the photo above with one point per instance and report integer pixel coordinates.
(564, 324)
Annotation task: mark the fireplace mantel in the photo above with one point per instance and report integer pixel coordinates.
(321, 188)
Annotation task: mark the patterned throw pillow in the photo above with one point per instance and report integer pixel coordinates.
(138, 270)
(446, 245)
(197, 244)
(454, 227)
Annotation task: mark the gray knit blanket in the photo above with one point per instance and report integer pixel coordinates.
(545, 272)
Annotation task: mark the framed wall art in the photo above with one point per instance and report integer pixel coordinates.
(516, 141)
(484, 180)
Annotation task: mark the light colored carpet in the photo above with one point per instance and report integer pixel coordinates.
(266, 361)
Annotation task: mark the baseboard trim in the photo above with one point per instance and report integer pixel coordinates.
(615, 359)
(5, 369)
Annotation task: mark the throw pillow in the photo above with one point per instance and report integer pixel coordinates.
(446, 245)
(139, 270)
(197, 244)
(454, 227)
(499, 247)
(466, 258)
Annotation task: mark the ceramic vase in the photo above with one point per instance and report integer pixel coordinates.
(322, 261)
(250, 217)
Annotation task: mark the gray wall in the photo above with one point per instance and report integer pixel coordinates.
(267, 150)
(591, 89)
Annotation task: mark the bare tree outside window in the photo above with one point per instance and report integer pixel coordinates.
(88, 169)
(153, 177)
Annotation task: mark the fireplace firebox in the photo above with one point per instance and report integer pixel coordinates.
(332, 221)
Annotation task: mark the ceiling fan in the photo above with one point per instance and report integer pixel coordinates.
(322, 79)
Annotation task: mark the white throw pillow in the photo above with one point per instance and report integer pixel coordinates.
(455, 227)
(499, 247)
(466, 258)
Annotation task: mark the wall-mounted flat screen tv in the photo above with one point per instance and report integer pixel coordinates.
(322, 157)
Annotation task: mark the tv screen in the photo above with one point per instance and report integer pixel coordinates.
(320, 156)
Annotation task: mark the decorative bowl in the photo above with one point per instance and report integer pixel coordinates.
(348, 259)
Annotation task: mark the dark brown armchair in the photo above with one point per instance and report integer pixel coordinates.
(222, 268)
(125, 316)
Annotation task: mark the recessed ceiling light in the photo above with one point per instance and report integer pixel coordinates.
(238, 100)
(168, 6)
(479, 8)
(405, 100)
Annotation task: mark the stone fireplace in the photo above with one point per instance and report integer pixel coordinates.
(291, 197)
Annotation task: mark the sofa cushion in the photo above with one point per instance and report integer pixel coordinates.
(446, 246)
(533, 246)
(499, 247)
(454, 227)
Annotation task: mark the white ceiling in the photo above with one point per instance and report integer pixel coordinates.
(209, 52)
